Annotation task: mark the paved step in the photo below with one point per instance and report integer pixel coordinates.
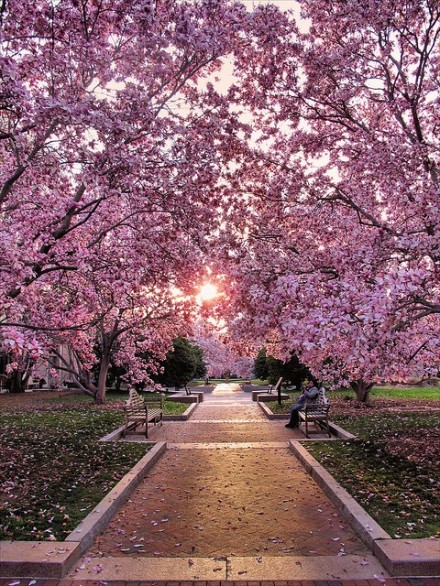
(333, 582)
(231, 568)
(251, 429)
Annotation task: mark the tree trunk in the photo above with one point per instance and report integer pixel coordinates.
(16, 383)
(102, 380)
(362, 389)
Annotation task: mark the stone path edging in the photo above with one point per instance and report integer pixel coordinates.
(185, 415)
(45, 559)
(99, 517)
(411, 557)
(361, 522)
(269, 413)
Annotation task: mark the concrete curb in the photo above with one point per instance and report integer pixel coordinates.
(363, 525)
(411, 557)
(98, 518)
(183, 398)
(340, 432)
(269, 413)
(55, 559)
(185, 416)
(46, 559)
(265, 397)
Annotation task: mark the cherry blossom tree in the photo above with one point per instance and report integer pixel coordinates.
(308, 182)
(218, 350)
(336, 248)
(101, 149)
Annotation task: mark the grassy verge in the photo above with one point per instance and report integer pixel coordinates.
(53, 471)
(282, 408)
(393, 466)
(391, 469)
(385, 392)
(75, 398)
(174, 408)
(392, 393)
(424, 393)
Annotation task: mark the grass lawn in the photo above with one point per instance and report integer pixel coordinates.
(392, 468)
(391, 393)
(53, 471)
(73, 397)
(385, 392)
(425, 393)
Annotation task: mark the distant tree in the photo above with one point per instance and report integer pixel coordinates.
(261, 365)
(181, 364)
(201, 370)
(293, 371)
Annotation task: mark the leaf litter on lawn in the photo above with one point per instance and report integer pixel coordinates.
(53, 471)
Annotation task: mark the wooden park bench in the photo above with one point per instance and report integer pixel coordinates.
(316, 413)
(141, 411)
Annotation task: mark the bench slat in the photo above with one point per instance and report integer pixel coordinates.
(314, 413)
(142, 411)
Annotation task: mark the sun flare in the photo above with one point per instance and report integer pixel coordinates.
(207, 292)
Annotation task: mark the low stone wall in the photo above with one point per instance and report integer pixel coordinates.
(183, 398)
(266, 397)
(194, 397)
(400, 557)
(269, 413)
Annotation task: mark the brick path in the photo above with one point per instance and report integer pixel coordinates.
(213, 494)
(227, 500)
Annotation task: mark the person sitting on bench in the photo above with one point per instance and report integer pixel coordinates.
(309, 395)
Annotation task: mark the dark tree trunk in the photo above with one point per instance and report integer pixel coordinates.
(17, 380)
(16, 383)
(102, 380)
(362, 389)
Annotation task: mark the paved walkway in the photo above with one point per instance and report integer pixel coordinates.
(228, 501)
